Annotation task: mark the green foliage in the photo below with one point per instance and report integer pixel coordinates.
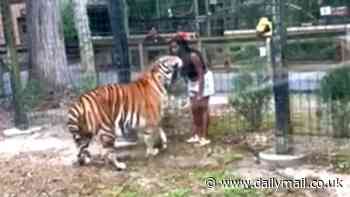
(202, 174)
(319, 49)
(231, 123)
(141, 9)
(32, 94)
(335, 91)
(225, 124)
(315, 49)
(302, 11)
(181, 192)
(87, 82)
(243, 53)
(335, 85)
(69, 30)
(251, 95)
(230, 157)
(242, 192)
(147, 9)
(342, 162)
(129, 194)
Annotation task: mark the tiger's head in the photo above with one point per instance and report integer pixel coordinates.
(166, 69)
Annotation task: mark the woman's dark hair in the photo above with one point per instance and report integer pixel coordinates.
(185, 53)
(183, 44)
(184, 48)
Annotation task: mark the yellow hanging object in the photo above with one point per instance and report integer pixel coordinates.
(264, 27)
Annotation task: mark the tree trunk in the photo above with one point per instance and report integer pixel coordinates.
(16, 87)
(120, 52)
(46, 44)
(81, 21)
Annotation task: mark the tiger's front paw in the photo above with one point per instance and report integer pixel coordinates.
(84, 158)
(152, 152)
(120, 165)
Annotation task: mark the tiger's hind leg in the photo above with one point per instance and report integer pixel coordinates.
(109, 153)
(112, 157)
(82, 143)
(149, 140)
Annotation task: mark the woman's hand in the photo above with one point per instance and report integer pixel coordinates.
(198, 96)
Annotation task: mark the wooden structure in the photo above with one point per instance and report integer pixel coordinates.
(18, 21)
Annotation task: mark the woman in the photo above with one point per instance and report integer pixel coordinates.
(199, 84)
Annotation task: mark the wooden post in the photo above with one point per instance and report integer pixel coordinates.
(20, 115)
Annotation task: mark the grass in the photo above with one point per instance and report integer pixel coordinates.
(231, 124)
(203, 174)
(121, 191)
(342, 161)
(306, 123)
(230, 157)
(181, 192)
(242, 192)
(32, 94)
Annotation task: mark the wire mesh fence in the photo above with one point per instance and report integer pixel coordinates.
(243, 80)
(214, 17)
(240, 104)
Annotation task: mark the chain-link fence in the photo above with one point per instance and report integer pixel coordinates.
(316, 55)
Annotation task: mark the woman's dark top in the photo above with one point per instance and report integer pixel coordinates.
(189, 69)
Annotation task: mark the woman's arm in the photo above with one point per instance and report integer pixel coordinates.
(200, 71)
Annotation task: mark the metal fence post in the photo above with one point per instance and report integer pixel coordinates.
(280, 79)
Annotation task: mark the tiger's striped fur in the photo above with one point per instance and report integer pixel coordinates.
(108, 110)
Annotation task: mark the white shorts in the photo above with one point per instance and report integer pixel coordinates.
(208, 89)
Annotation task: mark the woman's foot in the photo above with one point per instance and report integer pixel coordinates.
(193, 139)
(203, 141)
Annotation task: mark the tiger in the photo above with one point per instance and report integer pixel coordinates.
(107, 111)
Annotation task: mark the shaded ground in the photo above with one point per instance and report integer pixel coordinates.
(47, 173)
(39, 164)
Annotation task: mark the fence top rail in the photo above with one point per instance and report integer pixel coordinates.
(314, 29)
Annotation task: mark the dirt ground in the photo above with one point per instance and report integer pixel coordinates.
(39, 164)
(45, 171)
